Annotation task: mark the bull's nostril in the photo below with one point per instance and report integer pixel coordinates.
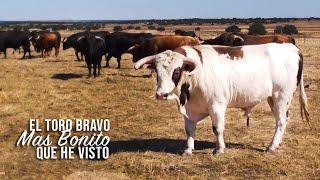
(165, 94)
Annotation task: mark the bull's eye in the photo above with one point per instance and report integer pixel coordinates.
(176, 76)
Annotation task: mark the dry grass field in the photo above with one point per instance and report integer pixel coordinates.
(147, 136)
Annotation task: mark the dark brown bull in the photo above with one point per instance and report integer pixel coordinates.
(239, 39)
(159, 44)
(44, 42)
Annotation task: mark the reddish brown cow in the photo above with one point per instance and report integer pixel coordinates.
(239, 39)
(159, 44)
(44, 42)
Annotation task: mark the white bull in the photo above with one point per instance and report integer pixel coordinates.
(206, 80)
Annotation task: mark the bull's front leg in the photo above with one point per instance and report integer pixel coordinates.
(77, 55)
(5, 53)
(95, 69)
(190, 128)
(108, 59)
(218, 122)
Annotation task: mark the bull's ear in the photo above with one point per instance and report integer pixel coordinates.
(190, 66)
(146, 60)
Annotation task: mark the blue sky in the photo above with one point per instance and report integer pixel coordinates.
(150, 9)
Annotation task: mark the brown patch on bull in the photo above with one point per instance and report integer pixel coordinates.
(180, 50)
(197, 49)
(184, 96)
(233, 52)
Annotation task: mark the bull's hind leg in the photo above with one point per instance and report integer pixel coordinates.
(99, 67)
(281, 103)
(57, 51)
(218, 121)
(119, 60)
(190, 128)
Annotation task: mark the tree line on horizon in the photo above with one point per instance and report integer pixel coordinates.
(255, 24)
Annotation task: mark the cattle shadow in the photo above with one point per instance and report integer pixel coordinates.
(136, 76)
(171, 146)
(66, 76)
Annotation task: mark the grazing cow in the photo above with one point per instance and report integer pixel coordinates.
(94, 49)
(72, 42)
(44, 42)
(119, 42)
(15, 39)
(185, 33)
(206, 80)
(239, 39)
(159, 44)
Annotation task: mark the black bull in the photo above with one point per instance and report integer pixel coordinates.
(94, 48)
(72, 42)
(15, 39)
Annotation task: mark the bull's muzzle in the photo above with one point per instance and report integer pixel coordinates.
(162, 96)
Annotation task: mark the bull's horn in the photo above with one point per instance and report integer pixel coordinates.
(64, 39)
(132, 47)
(146, 60)
(237, 36)
(38, 37)
(98, 37)
(80, 38)
(30, 38)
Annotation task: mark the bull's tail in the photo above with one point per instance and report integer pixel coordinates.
(303, 97)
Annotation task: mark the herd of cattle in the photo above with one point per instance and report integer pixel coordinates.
(205, 77)
(94, 45)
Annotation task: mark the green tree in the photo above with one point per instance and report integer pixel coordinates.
(117, 28)
(290, 29)
(257, 29)
(233, 29)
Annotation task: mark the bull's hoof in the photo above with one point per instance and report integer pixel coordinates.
(271, 149)
(187, 152)
(218, 151)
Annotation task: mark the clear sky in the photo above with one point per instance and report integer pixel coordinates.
(154, 9)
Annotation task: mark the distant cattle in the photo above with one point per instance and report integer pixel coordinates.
(94, 49)
(185, 33)
(240, 39)
(159, 44)
(44, 42)
(72, 42)
(15, 40)
(119, 42)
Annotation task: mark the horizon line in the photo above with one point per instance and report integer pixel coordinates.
(153, 19)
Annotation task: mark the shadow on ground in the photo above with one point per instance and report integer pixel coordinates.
(66, 76)
(172, 146)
